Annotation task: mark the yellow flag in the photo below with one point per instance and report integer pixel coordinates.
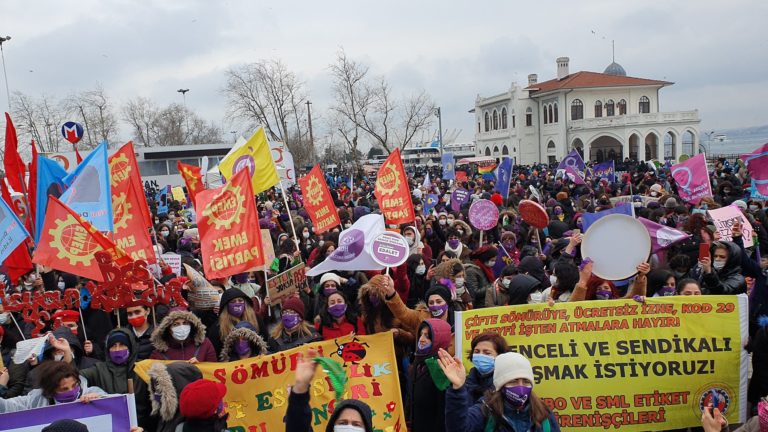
(254, 155)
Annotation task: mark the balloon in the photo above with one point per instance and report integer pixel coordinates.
(72, 131)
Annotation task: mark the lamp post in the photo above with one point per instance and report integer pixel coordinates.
(186, 117)
(438, 113)
(709, 142)
(5, 72)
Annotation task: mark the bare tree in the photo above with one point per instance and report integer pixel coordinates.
(93, 109)
(171, 126)
(369, 106)
(39, 119)
(141, 113)
(266, 93)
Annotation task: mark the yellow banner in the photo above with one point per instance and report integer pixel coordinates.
(258, 388)
(622, 364)
(178, 194)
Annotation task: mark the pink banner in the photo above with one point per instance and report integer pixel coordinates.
(692, 179)
(662, 236)
(757, 165)
(724, 218)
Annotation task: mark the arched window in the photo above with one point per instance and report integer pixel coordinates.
(609, 108)
(513, 119)
(551, 146)
(496, 150)
(544, 114)
(598, 109)
(495, 120)
(504, 118)
(622, 107)
(505, 150)
(488, 151)
(549, 110)
(645, 105)
(487, 121)
(555, 109)
(528, 116)
(577, 110)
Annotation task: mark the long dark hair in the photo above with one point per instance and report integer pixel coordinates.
(50, 374)
(327, 320)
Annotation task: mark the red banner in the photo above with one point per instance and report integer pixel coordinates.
(392, 191)
(123, 169)
(461, 176)
(230, 239)
(318, 201)
(131, 234)
(193, 178)
(69, 243)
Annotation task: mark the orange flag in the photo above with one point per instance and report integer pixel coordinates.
(230, 240)
(123, 169)
(318, 201)
(193, 178)
(69, 243)
(392, 191)
(131, 235)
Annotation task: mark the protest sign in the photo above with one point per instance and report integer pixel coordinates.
(389, 249)
(257, 388)
(178, 194)
(613, 364)
(459, 197)
(202, 295)
(483, 214)
(174, 262)
(628, 199)
(113, 413)
(461, 176)
(287, 283)
(725, 217)
(268, 249)
(692, 179)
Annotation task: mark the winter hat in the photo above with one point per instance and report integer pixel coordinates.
(438, 290)
(201, 399)
(330, 277)
(66, 425)
(190, 233)
(295, 304)
(66, 316)
(740, 204)
(653, 205)
(116, 337)
(230, 295)
(561, 196)
(357, 405)
(497, 199)
(656, 187)
(510, 366)
(485, 253)
(670, 203)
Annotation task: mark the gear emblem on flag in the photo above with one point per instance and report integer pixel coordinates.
(121, 209)
(389, 183)
(72, 241)
(225, 209)
(314, 191)
(119, 168)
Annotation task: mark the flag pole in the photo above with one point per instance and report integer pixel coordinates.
(290, 217)
(17, 325)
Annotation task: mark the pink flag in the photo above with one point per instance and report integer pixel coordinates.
(662, 236)
(574, 175)
(757, 165)
(692, 179)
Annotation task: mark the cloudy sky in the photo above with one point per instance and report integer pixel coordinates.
(714, 51)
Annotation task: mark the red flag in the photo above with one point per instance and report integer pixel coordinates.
(14, 166)
(392, 191)
(131, 235)
(124, 169)
(32, 188)
(78, 158)
(69, 243)
(318, 201)
(193, 178)
(18, 262)
(227, 218)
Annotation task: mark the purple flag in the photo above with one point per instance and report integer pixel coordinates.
(757, 165)
(574, 175)
(573, 160)
(458, 198)
(662, 236)
(605, 170)
(692, 179)
(502, 260)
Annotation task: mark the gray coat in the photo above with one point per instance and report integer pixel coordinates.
(35, 398)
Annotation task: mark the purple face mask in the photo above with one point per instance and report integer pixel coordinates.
(438, 310)
(242, 347)
(603, 294)
(119, 357)
(291, 321)
(453, 244)
(236, 309)
(67, 396)
(337, 310)
(329, 290)
(558, 211)
(375, 300)
(517, 395)
(667, 291)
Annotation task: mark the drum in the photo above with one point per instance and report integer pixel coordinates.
(616, 244)
(533, 214)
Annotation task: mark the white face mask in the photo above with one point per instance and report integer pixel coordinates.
(61, 285)
(506, 282)
(718, 264)
(459, 282)
(441, 222)
(58, 357)
(491, 263)
(181, 332)
(410, 240)
(552, 280)
(305, 234)
(535, 297)
(321, 243)
(347, 428)
(4, 318)
(347, 225)
(450, 221)
(420, 270)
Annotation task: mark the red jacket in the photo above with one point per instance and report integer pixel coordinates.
(177, 351)
(339, 330)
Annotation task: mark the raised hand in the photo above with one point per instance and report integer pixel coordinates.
(305, 371)
(452, 368)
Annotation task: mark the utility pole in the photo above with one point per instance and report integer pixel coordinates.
(186, 117)
(5, 72)
(309, 123)
(440, 128)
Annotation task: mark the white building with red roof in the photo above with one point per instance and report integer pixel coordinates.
(605, 116)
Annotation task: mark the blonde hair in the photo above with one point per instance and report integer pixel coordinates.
(227, 322)
(304, 329)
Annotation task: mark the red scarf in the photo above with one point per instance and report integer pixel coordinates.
(487, 270)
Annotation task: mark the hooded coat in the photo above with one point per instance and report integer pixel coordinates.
(213, 333)
(258, 346)
(113, 378)
(80, 361)
(298, 416)
(426, 403)
(727, 280)
(196, 345)
(168, 381)
(520, 287)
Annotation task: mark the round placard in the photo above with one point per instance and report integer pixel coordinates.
(616, 244)
(533, 214)
(483, 214)
(389, 249)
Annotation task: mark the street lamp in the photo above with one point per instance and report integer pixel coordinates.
(440, 128)
(709, 141)
(5, 72)
(184, 97)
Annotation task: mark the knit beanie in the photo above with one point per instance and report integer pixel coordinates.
(66, 425)
(510, 366)
(295, 304)
(201, 399)
(438, 290)
(116, 337)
